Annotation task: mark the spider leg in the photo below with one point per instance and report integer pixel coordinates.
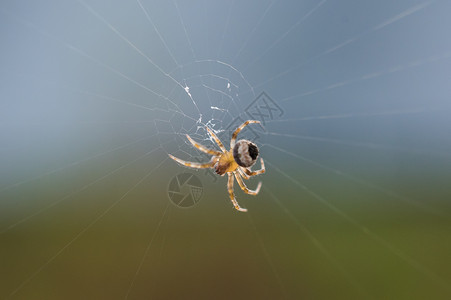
(202, 147)
(235, 134)
(217, 140)
(193, 164)
(244, 187)
(253, 173)
(232, 194)
(244, 175)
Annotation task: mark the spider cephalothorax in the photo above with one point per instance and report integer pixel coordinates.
(235, 162)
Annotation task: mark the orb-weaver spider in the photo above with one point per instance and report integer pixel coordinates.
(235, 162)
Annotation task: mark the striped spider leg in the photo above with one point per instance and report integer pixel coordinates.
(193, 164)
(251, 173)
(232, 194)
(202, 148)
(243, 186)
(238, 130)
(217, 140)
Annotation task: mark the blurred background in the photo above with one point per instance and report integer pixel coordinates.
(354, 99)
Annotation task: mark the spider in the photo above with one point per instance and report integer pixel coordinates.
(235, 162)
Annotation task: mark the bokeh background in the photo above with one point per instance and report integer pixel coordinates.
(355, 203)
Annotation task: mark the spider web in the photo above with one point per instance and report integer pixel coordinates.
(354, 104)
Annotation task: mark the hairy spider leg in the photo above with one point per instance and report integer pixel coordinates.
(193, 164)
(235, 134)
(244, 187)
(232, 194)
(202, 147)
(253, 173)
(217, 140)
(244, 175)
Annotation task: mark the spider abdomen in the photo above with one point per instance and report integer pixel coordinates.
(245, 153)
